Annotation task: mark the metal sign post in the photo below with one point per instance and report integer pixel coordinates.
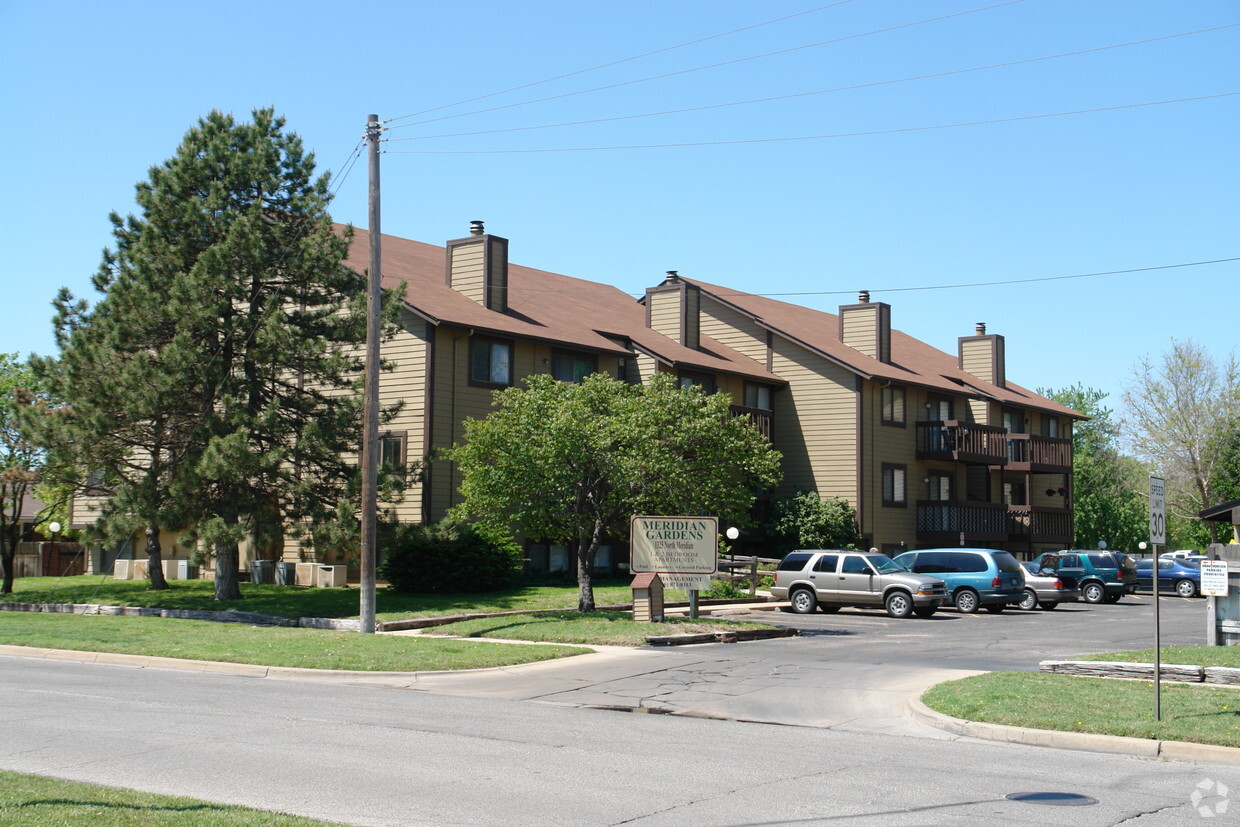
(1158, 537)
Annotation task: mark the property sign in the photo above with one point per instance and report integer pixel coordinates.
(686, 582)
(1158, 512)
(675, 545)
(1214, 578)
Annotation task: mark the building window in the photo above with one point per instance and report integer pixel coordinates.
(939, 409)
(893, 406)
(572, 367)
(490, 361)
(1014, 422)
(940, 487)
(894, 487)
(1050, 426)
(1015, 493)
(758, 396)
(705, 381)
(392, 450)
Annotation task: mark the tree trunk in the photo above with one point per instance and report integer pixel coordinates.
(8, 559)
(227, 558)
(154, 559)
(587, 550)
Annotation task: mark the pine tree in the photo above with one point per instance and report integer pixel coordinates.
(222, 359)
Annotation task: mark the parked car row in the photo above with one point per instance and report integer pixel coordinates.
(920, 582)
(1181, 575)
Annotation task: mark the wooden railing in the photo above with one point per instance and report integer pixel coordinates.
(1039, 525)
(760, 418)
(977, 521)
(1039, 452)
(961, 441)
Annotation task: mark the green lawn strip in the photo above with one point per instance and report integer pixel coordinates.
(39, 801)
(267, 646)
(1196, 713)
(601, 627)
(1188, 655)
(290, 601)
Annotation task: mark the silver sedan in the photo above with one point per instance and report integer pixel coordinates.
(1046, 588)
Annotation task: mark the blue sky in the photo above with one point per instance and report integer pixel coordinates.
(862, 189)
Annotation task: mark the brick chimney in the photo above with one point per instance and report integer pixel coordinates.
(866, 326)
(673, 309)
(981, 355)
(478, 267)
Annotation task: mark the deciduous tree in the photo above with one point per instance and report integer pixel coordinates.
(19, 459)
(1182, 414)
(571, 463)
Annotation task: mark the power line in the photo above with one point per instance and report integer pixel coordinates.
(820, 91)
(713, 65)
(868, 133)
(357, 153)
(617, 62)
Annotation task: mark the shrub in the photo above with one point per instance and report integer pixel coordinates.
(724, 590)
(806, 521)
(450, 557)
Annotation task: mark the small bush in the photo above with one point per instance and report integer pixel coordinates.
(450, 557)
(725, 590)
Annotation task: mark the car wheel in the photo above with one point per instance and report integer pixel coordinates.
(1113, 598)
(803, 601)
(966, 601)
(828, 608)
(899, 604)
(1186, 588)
(1049, 604)
(1093, 592)
(924, 611)
(1030, 601)
(995, 608)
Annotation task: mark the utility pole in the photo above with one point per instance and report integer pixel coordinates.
(370, 434)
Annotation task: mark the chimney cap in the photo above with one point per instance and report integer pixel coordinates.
(864, 297)
(475, 228)
(673, 277)
(981, 328)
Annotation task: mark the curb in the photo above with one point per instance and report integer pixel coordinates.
(1081, 741)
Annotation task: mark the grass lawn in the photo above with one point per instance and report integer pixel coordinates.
(1197, 713)
(290, 601)
(602, 627)
(38, 801)
(1191, 655)
(268, 646)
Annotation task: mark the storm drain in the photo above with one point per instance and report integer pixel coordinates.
(649, 710)
(1053, 799)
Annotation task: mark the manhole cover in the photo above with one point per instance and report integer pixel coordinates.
(1054, 799)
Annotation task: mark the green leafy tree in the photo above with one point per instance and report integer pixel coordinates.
(224, 350)
(20, 459)
(1109, 489)
(805, 520)
(1183, 412)
(571, 463)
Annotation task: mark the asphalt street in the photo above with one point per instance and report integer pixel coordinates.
(544, 744)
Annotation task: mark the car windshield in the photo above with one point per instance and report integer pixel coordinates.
(885, 564)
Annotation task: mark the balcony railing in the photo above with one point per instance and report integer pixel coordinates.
(760, 418)
(960, 441)
(1027, 452)
(950, 523)
(1039, 525)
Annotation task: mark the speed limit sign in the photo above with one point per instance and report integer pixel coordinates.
(1158, 513)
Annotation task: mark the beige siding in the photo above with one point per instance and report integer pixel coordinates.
(889, 444)
(467, 271)
(736, 330)
(407, 383)
(665, 313)
(860, 329)
(815, 423)
(693, 320)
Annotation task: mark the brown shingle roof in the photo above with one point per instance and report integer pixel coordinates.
(913, 362)
(544, 307)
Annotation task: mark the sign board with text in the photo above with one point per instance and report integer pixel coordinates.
(675, 545)
(1158, 512)
(1214, 578)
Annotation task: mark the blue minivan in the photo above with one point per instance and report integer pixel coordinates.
(975, 577)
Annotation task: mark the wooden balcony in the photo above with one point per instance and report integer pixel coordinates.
(1029, 524)
(946, 523)
(1039, 454)
(958, 441)
(760, 418)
